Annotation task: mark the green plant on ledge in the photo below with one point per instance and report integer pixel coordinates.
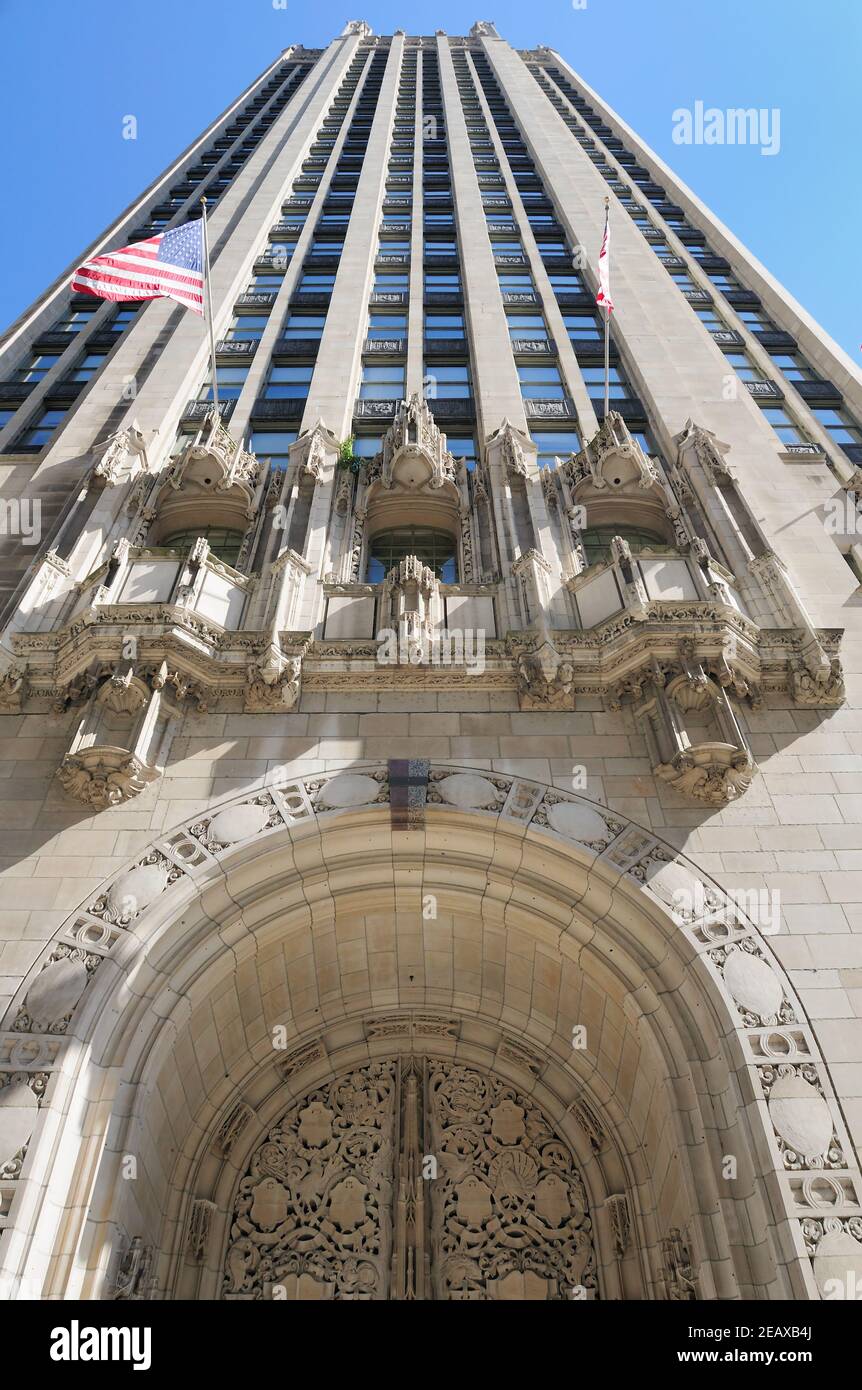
(346, 457)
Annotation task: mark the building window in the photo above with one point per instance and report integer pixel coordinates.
(88, 365)
(42, 429)
(386, 326)
(73, 321)
(566, 282)
(541, 383)
(554, 444)
(436, 549)
(438, 283)
(246, 328)
(264, 281)
(287, 383)
(448, 379)
(316, 284)
(122, 318)
(744, 367)
(367, 446)
(794, 366)
(840, 426)
(786, 429)
(444, 326)
(709, 316)
(513, 282)
(391, 284)
(231, 380)
(463, 446)
(224, 543)
(594, 377)
(756, 320)
(583, 327)
(304, 326)
(273, 445)
(40, 365)
(722, 281)
(6, 413)
(596, 541)
(530, 327)
(382, 383)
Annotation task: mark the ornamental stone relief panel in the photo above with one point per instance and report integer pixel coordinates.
(411, 1179)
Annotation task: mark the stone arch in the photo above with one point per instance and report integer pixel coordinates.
(154, 1026)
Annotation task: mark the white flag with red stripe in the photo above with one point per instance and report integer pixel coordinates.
(170, 265)
(604, 295)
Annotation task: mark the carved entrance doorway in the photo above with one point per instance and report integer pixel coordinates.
(411, 1178)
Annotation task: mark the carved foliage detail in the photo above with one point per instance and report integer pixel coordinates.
(313, 1211)
(509, 1209)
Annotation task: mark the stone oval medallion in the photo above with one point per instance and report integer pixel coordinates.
(801, 1116)
(348, 789)
(678, 887)
(838, 1265)
(133, 892)
(577, 821)
(55, 992)
(753, 985)
(237, 823)
(18, 1110)
(467, 790)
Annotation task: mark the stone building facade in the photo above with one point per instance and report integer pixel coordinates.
(432, 823)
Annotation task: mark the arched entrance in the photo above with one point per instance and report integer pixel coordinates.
(299, 935)
(411, 1178)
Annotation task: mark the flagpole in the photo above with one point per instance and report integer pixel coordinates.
(208, 299)
(607, 330)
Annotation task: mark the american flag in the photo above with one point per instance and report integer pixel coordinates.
(168, 265)
(604, 295)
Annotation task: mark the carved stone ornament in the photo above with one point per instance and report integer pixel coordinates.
(13, 689)
(337, 1203)
(274, 680)
(121, 458)
(104, 777)
(112, 756)
(215, 463)
(679, 1276)
(545, 678)
(509, 444)
(823, 687)
(413, 452)
(612, 460)
(698, 445)
(621, 1222)
(716, 773)
(131, 1281)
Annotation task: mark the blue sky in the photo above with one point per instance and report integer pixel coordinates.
(65, 87)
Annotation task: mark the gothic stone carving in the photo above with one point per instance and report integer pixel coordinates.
(313, 1211)
(678, 1268)
(319, 1212)
(545, 679)
(509, 1209)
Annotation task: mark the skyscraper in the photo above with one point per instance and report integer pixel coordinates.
(433, 810)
